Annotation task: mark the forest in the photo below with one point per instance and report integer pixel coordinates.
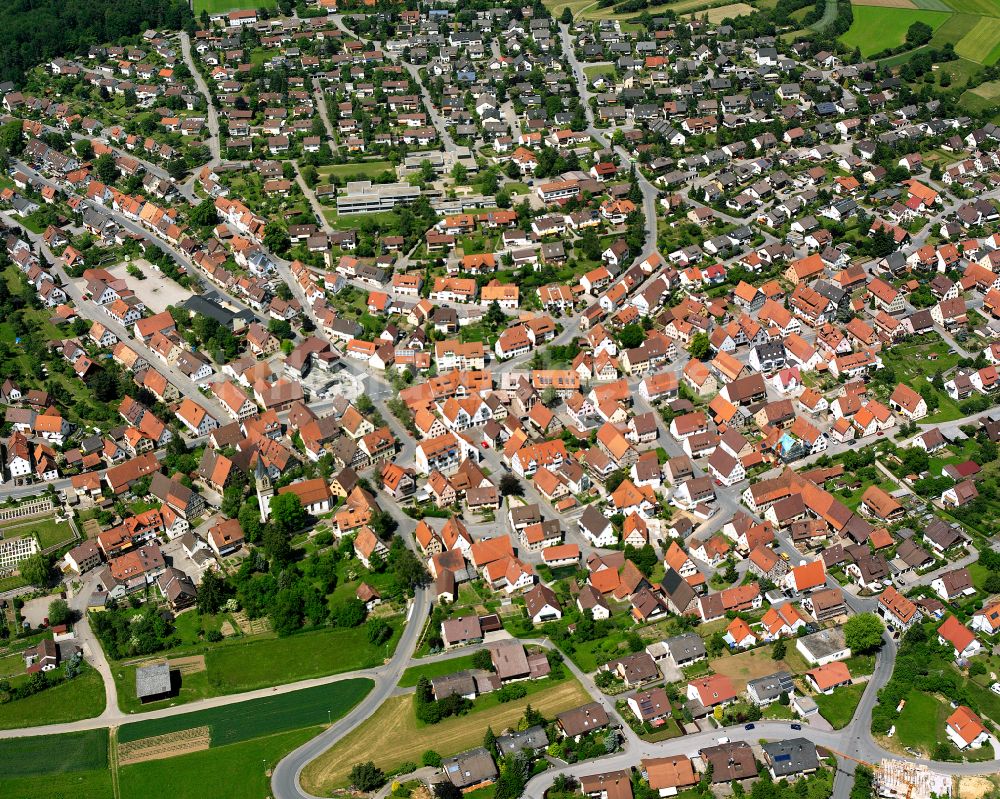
(36, 31)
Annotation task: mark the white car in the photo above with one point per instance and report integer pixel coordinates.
(995, 688)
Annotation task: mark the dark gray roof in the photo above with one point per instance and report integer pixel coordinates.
(794, 756)
(533, 739)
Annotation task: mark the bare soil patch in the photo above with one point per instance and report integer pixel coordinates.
(188, 665)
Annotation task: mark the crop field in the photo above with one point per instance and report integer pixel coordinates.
(876, 27)
(236, 771)
(716, 15)
(985, 8)
(391, 736)
(259, 717)
(982, 43)
(885, 3)
(46, 755)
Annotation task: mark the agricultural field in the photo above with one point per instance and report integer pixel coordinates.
(970, 25)
(391, 736)
(877, 27)
(56, 766)
(235, 771)
(257, 718)
(719, 13)
(80, 698)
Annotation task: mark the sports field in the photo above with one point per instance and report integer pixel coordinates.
(876, 28)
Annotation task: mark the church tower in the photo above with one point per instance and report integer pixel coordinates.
(265, 490)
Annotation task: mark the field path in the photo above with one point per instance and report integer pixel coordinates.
(829, 15)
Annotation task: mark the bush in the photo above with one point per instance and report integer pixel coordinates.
(213, 636)
(431, 758)
(511, 692)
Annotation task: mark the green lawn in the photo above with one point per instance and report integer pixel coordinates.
(838, 708)
(876, 28)
(351, 221)
(221, 6)
(260, 717)
(50, 533)
(236, 771)
(356, 170)
(80, 698)
(921, 722)
(598, 70)
(438, 669)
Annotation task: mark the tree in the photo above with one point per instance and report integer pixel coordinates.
(699, 346)
(631, 336)
(863, 633)
(566, 17)
(431, 758)
(483, 660)
(12, 138)
(203, 214)
(511, 486)
(778, 650)
(58, 612)
(287, 513)
(382, 523)
(494, 318)
(276, 238)
(37, 569)
(447, 790)
(211, 593)
(276, 545)
(490, 742)
(367, 776)
(106, 168)
(919, 33)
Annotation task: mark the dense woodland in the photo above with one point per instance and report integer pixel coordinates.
(38, 30)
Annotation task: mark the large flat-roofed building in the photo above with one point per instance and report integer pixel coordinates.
(364, 197)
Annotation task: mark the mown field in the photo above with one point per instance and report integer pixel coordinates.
(877, 27)
(392, 736)
(257, 718)
(261, 661)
